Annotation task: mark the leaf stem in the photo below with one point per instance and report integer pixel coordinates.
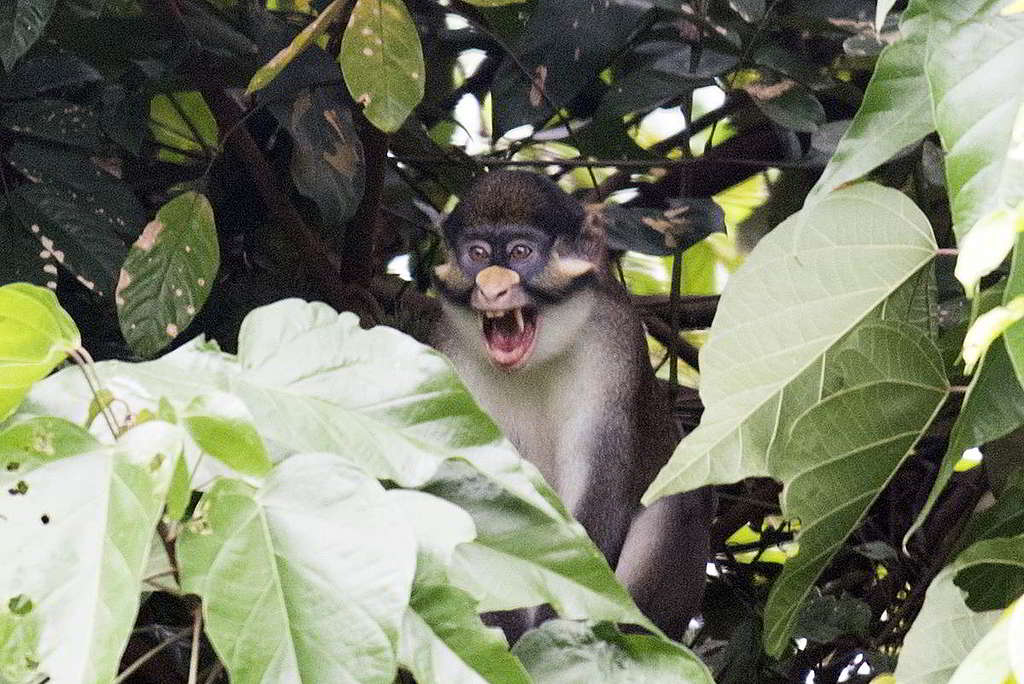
(83, 359)
(197, 630)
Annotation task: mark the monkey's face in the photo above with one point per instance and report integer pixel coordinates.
(514, 283)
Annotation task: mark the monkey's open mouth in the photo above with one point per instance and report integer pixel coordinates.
(509, 335)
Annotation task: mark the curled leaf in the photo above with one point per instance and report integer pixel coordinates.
(986, 245)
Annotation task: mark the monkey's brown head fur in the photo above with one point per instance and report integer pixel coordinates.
(518, 249)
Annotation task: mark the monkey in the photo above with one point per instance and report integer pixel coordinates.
(546, 340)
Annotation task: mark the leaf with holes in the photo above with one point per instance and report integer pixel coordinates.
(54, 120)
(184, 127)
(984, 169)
(76, 229)
(168, 274)
(77, 544)
(382, 61)
(36, 334)
(799, 293)
(21, 24)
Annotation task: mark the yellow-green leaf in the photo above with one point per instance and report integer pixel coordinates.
(36, 334)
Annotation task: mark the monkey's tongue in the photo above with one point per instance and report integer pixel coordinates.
(510, 337)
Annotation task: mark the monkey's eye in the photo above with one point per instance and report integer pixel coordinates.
(478, 253)
(520, 252)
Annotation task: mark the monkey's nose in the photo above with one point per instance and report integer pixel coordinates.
(495, 281)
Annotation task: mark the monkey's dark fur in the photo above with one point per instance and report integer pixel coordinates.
(551, 347)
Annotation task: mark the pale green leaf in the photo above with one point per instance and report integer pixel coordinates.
(168, 274)
(439, 527)
(306, 579)
(806, 285)
(222, 426)
(976, 78)
(382, 61)
(985, 247)
(77, 543)
(31, 443)
(987, 327)
(525, 556)
(36, 334)
(561, 651)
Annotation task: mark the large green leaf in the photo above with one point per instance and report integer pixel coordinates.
(843, 451)
(562, 651)
(993, 407)
(806, 285)
(895, 112)
(976, 76)
(77, 543)
(36, 334)
(527, 555)
(382, 61)
(306, 579)
(168, 274)
(21, 24)
(57, 121)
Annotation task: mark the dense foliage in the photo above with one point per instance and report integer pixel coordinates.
(249, 487)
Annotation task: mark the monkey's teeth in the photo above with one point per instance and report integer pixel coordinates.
(519, 320)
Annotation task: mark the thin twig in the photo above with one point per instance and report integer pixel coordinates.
(178, 636)
(197, 630)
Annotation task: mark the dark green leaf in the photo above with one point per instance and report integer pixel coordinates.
(382, 61)
(21, 24)
(564, 46)
(561, 651)
(993, 576)
(327, 163)
(825, 618)
(788, 103)
(168, 274)
(75, 229)
(107, 197)
(23, 259)
(50, 72)
(663, 232)
(54, 120)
